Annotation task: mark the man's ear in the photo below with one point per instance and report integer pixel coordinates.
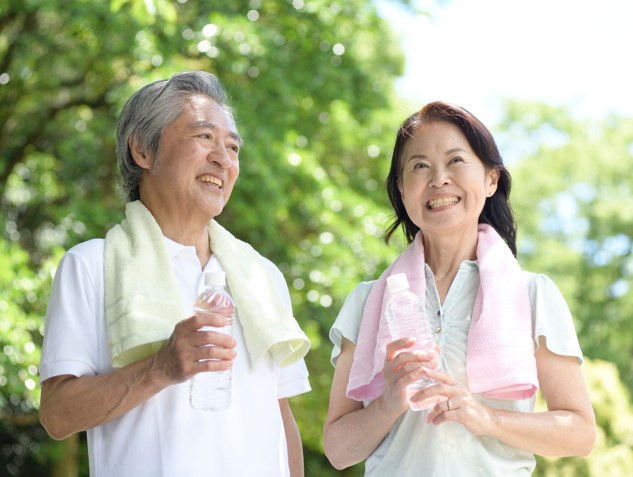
(139, 156)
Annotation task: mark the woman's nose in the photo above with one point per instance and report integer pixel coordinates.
(439, 177)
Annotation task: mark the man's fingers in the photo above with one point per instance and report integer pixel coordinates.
(215, 353)
(210, 337)
(195, 322)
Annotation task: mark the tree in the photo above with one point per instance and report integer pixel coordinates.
(311, 83)
(570, 187)
(570, 184)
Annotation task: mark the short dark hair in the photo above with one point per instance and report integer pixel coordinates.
(497, 211)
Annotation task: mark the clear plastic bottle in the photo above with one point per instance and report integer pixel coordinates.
(405, 316)
(211, 391)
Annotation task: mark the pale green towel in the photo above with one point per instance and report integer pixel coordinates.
(141, 296)
(142, 302)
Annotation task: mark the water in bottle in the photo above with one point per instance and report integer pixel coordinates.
(406, 318)
(211, 391)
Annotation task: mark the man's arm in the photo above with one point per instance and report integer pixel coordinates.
(293, 439)
(71, 404)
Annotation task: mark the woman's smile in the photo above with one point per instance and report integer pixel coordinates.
(442, 202)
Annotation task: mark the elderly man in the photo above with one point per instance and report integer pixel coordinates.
(122, 343)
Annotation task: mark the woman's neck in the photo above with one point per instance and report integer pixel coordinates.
(445, 254)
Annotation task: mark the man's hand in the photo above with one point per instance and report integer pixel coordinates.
(190, 350)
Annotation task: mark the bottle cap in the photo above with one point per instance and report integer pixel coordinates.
(397, 282)
(215, 278)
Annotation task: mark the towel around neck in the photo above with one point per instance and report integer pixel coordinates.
(500, 349)
(142, 304)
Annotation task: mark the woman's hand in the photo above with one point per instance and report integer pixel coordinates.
(457, 404)
(403, 367)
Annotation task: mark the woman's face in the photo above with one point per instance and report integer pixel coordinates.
(443, 184)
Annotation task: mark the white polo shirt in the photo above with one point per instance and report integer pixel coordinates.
(165, 437)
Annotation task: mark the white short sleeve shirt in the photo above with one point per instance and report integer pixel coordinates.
(414, 448)
(165, 437)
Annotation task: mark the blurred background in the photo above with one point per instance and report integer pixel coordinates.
(320, 88)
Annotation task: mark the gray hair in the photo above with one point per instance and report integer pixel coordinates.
(149, 111)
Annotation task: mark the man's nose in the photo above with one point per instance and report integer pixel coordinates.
(220, 156)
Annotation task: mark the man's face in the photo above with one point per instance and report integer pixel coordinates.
(197, 164)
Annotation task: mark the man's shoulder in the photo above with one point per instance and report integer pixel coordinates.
(89, 248)
(270, 265)
(82, 264)
(88, 255)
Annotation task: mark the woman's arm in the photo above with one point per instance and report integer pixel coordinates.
(568, 428)
(352, 432)
(71, 404)
(293, 439)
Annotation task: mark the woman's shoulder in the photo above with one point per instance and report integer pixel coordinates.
(355, 300)
(360, 292)
(539, 283)
(552, 317)
(347, 323)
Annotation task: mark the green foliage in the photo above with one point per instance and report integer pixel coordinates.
(23, 292)
(570, 189)
(311, 83)
(570, 195)
(23, 298)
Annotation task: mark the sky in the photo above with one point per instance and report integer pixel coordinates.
(475, 53)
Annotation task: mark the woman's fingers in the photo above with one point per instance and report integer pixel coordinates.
(440, 376)
(396, 347)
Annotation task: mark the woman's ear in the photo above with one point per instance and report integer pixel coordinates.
(493, 180)
(139, 156)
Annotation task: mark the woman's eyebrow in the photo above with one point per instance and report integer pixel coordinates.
(416, 156)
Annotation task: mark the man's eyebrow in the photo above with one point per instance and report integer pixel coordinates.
(208, 125)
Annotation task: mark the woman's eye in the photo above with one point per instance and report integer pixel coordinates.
(457, 159)
(419, 165)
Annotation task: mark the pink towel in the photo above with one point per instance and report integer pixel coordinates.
(500, 350)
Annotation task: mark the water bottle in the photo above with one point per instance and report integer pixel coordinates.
(406, 319)
(211, 390)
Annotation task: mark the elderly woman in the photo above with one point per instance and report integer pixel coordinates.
(500, 332)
